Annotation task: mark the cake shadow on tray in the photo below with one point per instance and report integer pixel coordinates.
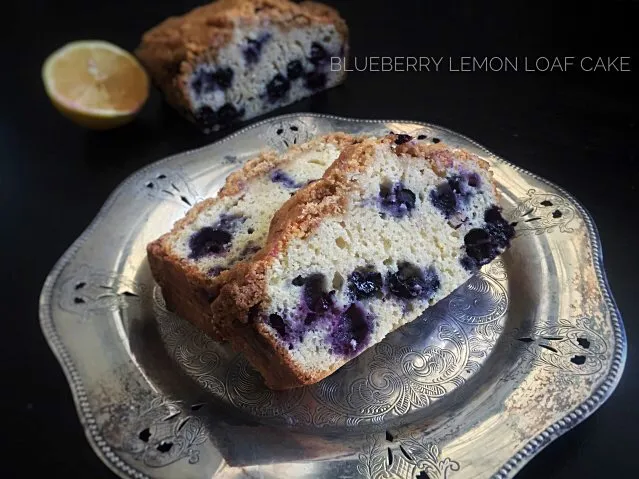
(418, 378)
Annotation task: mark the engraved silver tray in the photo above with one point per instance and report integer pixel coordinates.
(524, 351)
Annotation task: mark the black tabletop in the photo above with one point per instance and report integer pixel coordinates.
(577, 128)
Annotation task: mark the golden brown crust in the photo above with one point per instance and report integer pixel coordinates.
(237, 180)
(186, 290)
(246, 288)
(170, 50)
(440, 156)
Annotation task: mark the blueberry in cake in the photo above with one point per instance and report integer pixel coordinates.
(393, 226)
(191, 262)
(233, 60)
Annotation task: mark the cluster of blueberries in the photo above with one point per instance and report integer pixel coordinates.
(314, 79)
(216, 239)
(450, 197)
(221, 79)
(350, 326)
(281, 177)
(208, 81)
(482, 244)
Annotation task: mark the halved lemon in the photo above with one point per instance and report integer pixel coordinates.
(96, 84)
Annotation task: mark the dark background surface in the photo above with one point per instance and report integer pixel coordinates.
(578, 130)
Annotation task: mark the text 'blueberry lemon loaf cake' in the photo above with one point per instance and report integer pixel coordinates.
(190, 262)
(236, 59)
(394, 226)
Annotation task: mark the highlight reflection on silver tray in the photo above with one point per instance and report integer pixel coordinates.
(483, 381)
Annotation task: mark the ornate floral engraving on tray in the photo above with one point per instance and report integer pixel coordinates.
(87, 292)
(158, 434)
(567, 347)
(499, 330)
(165, 184)
(283, 134)
(246, 391)
(542, 213)
(484, 300)
(413, 457)
(398, 379)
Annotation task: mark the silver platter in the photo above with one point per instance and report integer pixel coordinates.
(517, 356)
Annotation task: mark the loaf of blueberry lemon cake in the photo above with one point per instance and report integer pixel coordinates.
(394, 226)
(191, 262)
(236, 59)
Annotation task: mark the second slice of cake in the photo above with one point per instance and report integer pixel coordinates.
(394, 226)
(191, 262)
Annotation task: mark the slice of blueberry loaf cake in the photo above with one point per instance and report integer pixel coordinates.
(394, 226)
(190, 262)
(236, 59)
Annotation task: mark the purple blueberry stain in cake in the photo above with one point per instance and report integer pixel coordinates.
(443, 198)
(214, 240)
(294, 70)
(484, 244)
(222, 77)
(410, 282)
(317, 303)
(474, 180)
(197, 83)
(209, 241)
(403, 138)
(318, 54)
(253, 313)
(227, 114)
(253, 49)
(205, 81)
(209, 83)
(315, 80)
(315, 296)
(347, 326)
(469, 264)
(351, 332)
(450, 196)
(310, 319)
(365, 283)
(464, 185)
(279, 176)
(278, 87)
(500, 230)
(479, 246)
(277, 323)
(396, 200)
